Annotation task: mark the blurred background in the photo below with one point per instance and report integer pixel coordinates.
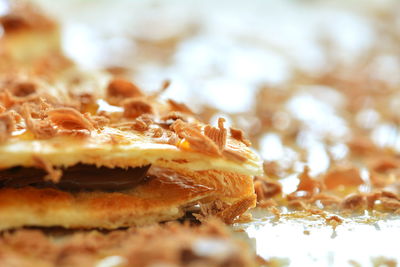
(304, 69)
(312, 83)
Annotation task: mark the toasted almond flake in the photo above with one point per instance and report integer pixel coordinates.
(307, 183)
(218, 135)
(389, 194)
(198, 141)
(342, 177)
(239, 135)
(121, 88)
(40, 127)
(175, 106)
(229, 214)
(156, 132)
(133, 108)
(139, 125)
(174, 115)
(384, 165)
(326, 199)
(334, 219)
(97, 121)
(69, 119)
(390, 203)
(355, 202)
(266, 188)
(172, 138)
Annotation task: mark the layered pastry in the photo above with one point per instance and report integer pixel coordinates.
(113, 157)
(81, 151)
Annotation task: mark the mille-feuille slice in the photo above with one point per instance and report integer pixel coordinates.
(113, 158)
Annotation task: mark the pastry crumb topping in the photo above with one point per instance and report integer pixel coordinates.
(197, 140)
(133, 108)
(218, 135)
(239, 135)
(69, 119)
(119, 89)
(45, 112)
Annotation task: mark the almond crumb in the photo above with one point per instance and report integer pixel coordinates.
(133, 108)
(218, 135)
(355, 202)
(198, 141)
(239, 135)
(175, 106)
(266, 188)
(69, 119)
(121, 88)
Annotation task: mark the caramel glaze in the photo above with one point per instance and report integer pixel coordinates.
(80, 177)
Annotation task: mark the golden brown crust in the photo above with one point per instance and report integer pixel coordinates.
(58, 123)
(164, 197)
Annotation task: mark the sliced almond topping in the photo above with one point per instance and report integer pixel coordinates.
(390, 203)
(174, 115)
(175, 106)
(120, 88)
(198, 141)
(229, 214)
(342, 177)
(156, 132)
(266, 188)
(133, 108)
(239, 135)
(218, 135)
(326, 199)
(97, 121)
(141, 123)
(355, 202)
(40, 127)
(69, 119)
(307, 183)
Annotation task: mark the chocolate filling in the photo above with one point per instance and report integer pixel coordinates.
(76, 178)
